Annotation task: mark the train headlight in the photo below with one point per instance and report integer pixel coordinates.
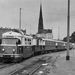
(3, 49)
(56, 44)
(64, 44)
(73, 44)
(14, 50)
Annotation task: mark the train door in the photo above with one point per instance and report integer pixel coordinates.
(19, 46)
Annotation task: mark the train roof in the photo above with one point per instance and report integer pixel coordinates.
(28, 36)
(11, 33)
(48, 39)
(54, 40)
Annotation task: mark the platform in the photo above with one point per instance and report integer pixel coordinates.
(64, 67)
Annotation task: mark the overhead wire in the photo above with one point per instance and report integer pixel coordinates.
(47, 12)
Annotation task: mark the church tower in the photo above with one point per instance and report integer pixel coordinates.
(43, 33)
(40, 24)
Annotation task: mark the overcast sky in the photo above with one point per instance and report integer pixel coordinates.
(54, 15)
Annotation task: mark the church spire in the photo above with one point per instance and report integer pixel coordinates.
(40, 24)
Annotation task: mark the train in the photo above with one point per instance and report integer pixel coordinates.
(16, 45)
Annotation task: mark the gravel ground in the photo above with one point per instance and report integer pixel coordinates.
(62, 66)
(6, 70)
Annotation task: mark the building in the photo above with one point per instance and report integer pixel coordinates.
(46, 34)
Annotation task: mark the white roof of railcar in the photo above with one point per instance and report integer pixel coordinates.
(28, 36)
(11, 33)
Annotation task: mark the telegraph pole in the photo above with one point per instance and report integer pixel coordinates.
(58, 34)
(20, 20)
(30, 29)
(68, 29)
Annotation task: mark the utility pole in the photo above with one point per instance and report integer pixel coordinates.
(20, 20)
(52, 32)
(68, 29)
(58, 34)
(30, 29)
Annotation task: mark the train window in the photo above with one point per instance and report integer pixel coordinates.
(49, 42)
(18, 41)
(29, 43)
(25, 39)
(25, 42)
(22, 50)
(9, 40)
(28, 39)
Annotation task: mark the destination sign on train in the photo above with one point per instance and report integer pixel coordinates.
(9, 36)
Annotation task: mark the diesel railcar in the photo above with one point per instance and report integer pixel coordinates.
(15, 46)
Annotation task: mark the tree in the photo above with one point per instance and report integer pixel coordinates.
(65, 39)
(72, 38)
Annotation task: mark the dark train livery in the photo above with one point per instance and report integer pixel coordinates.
(16, 46)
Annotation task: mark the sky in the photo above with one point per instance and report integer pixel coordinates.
(54, 15)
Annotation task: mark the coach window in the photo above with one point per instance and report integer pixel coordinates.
(25, 43)
(29, 43)
(50, 42)
(25, 39)
(28, 39)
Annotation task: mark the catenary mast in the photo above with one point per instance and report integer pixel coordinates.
(20, 20)
(68, 29)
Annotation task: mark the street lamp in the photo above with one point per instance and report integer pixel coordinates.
(68, 29)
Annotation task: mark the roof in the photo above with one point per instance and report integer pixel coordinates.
(28, 36)
(11, 33)
(47, 30)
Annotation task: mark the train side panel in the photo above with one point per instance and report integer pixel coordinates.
(38, 45)
(60, 46)
(50, 46)
(27, 51)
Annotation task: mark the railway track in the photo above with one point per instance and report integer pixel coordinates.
(3, 65)
(30, 69)
(43, 70)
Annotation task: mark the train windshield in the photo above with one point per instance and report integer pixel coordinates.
(9, 40)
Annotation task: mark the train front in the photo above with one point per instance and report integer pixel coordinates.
(9, 48)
